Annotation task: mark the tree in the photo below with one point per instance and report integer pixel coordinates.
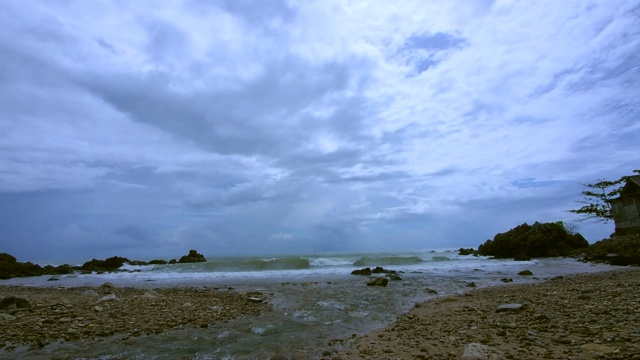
(596, 199)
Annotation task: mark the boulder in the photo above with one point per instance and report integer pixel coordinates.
(525, 273)
(12, 302)
(381, 281)
(431, 291)
(365, 271)
(192, 257)
(157, 262)
(533, 241)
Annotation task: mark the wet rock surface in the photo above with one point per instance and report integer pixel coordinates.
(69, 314)
(586, 316)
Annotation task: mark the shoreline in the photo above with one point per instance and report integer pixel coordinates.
(440, 328)
(579, 316)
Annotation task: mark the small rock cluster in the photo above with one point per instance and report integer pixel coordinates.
(378, 281)
(38, 316)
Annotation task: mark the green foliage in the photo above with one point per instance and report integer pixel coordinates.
(532, 241)
(596, 199)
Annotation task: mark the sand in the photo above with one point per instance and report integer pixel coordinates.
(586, 316)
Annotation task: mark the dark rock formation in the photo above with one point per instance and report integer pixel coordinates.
(377, 270)
(617, 250)
(381, 281)
(365, 271)
(468, 251)
(10, 303)
(109, 264)
(533, 241)
(192, 257)
(525, 273)
(10, 267)
(157, 262)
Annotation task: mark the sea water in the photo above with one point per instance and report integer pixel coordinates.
(317, 303)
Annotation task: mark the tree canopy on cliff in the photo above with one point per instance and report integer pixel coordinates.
(596, 199)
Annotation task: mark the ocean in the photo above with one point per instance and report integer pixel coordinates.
(317, 302)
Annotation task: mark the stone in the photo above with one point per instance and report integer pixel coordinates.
(192, 257)
(365, 271)
(110, 297)
(471, 284)
(254, 300)
(150, 294)
(381, 281)
(106, 288)
(394, 277)
(525, 273)
(510, 307)
(6, 318)
(475, 351)
(91, 293)
(598, 348)
(12, 302)
(431, 291)
(506, 280)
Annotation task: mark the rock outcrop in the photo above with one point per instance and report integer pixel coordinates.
(617, 250)
(533, 241)
(192, 257)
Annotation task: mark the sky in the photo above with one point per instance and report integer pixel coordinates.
(144, 129)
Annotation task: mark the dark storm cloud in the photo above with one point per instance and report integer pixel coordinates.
(144, 129)
(250, 120)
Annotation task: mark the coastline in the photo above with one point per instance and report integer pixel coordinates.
(315, 318)
(580, 316)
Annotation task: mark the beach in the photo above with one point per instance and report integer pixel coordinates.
(89, 314)
(567, 310)
(581, 316)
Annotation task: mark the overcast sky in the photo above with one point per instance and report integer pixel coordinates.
(147, 128)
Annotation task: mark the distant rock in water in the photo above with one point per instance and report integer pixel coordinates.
(468, 251)
(109, 264)
(192, 257)
(533, 241)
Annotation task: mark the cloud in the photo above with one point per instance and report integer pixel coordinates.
(347, 125)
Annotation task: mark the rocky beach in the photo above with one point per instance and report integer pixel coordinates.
(583, 316)
(87, 314)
